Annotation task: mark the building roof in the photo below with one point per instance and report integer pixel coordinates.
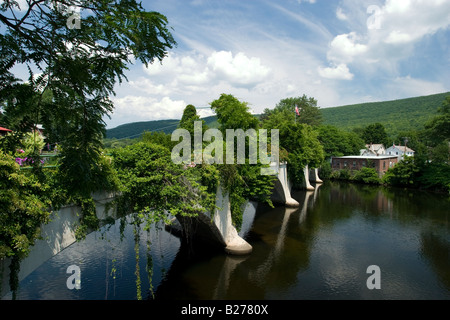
(375, 146)
(402, 148)
(367, 157)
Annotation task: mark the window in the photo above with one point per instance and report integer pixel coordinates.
(336, 163)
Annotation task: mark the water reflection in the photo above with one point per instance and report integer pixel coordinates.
(320, 250)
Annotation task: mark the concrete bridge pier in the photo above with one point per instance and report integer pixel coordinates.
(222, 219)
(307, 183)
(282, 189)
(214, 229)
(314, 175)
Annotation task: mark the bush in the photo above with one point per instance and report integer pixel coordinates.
(153, 186)
(366, 175)
(435, 176)
(325, 171)
(404, 174)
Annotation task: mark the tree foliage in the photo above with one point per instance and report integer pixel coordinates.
(156, 188)
(310, 113)
(233, 114)
(73, 71)
(337, 142)
(242, 181)
(396, 116)
(438, 128)
(298, 137)
(24, 207)
(376, 134)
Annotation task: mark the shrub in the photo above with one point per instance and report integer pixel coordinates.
(366, 175)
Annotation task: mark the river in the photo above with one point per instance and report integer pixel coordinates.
(320, 251)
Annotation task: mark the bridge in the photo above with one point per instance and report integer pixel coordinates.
(215, 227)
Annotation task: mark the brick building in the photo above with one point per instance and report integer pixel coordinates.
(353, 163)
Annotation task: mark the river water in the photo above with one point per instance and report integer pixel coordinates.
(321, 250)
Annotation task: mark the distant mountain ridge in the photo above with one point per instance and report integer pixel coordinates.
(396, 115)
(136, 129)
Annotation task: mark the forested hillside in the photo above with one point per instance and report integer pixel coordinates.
(136, 129)
(396, 116)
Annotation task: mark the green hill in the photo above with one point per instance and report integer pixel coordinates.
(136, 129)
(396, 116)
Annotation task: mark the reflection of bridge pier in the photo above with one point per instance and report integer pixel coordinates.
(265, 267)
(223, 280)
(276, 252)
(306, 200)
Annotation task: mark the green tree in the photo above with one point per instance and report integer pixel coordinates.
(78, 68)
(159, 138)
(153, 186)
(243, 181)
(304, 149)
(24, 203)
(309, 111)
(375, 133)
(233, 114)
(299, 140)
(188, 120)
(437, 132)
(438, 129)
(404, 174)
(338, 143)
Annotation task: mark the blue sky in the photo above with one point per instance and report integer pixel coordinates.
(337, 51)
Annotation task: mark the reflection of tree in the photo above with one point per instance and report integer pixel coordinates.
(416, 204)
(437, 251)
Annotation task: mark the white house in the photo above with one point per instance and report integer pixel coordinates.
(400, 151)
(373, 150)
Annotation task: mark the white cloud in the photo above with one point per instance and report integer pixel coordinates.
(262, 53)
(345, 47)
(402, 24)
(408, 87)
(194, 69)
(340, 14)
(238, 70)
(148, 108)
(339, 72)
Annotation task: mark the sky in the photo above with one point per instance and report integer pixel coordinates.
(339, 52)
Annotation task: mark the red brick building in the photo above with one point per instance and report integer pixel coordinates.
(353, 163)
